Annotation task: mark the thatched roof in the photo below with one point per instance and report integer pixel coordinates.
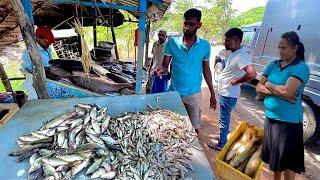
(57, 15)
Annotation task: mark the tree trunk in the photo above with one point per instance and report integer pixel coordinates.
(5, 79)
(28, 34)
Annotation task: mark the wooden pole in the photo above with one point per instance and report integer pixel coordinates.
(141, 42)
(94, 9)
(5, 79)
(28, 34)
(146, 55)
(115, 43)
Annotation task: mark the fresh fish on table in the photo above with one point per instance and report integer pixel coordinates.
(97, 84)
(118, 78)
(142, 145)
(56, 71)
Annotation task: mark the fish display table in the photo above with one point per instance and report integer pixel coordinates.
(34, 113)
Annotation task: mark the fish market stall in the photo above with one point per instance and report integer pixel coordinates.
(34, 113)
(20, 17)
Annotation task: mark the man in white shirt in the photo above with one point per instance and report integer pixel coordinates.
(238, 69)
(159, 84)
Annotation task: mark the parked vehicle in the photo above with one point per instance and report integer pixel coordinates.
(262, 43)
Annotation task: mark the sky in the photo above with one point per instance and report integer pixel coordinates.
(244, 5)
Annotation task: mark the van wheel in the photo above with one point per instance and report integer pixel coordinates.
(310, 123)
(217, 70)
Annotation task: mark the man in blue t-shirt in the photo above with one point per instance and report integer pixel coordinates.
(189, 58)
(44, 38)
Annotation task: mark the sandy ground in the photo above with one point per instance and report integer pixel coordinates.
(210, 125)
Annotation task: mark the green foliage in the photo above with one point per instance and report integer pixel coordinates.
(172, 19)
(124, 36)
(12, 70)
(217, 17)
(248, 17)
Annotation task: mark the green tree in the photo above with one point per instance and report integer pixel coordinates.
(215, 19)
(172, 20)
(251, 16)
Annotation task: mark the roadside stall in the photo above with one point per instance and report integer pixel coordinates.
(57, 15)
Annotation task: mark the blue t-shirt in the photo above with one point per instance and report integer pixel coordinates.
(186, 64)
(45, 58)
(278, 108)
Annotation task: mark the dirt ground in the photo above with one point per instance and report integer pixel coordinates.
(210, 125)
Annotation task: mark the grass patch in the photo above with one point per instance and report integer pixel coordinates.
(12, 70)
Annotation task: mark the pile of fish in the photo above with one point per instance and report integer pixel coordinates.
(244, 153)
(142, 145)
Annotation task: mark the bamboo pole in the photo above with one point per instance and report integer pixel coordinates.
(28, 34)
(5, 79)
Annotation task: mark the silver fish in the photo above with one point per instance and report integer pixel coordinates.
(86, 118)
(94, 166)
(98, 173)
(93, 113)
(108, 140)
(77, 167)
(96, 127)
(109, 175)
(79, 137)
(58, 120)
(25, 149)
(105, 124)
(95, 139)
(54, 161)
(70, 157)
(61, 138)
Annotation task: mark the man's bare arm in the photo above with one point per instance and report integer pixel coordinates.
(208, 78)
(250, 74)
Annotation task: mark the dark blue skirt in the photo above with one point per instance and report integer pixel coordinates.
(282, 146)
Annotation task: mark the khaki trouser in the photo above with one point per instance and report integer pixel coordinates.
(193, 106)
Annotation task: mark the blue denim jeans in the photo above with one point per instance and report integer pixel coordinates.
(226, 106)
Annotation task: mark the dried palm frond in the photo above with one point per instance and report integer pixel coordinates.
(85, 57)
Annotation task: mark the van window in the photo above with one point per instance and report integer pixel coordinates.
(248, 38)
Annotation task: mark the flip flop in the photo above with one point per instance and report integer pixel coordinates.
(215, 136)
(214, 146)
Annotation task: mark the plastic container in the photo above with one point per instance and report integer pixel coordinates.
(224, 169)
(20, 98)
